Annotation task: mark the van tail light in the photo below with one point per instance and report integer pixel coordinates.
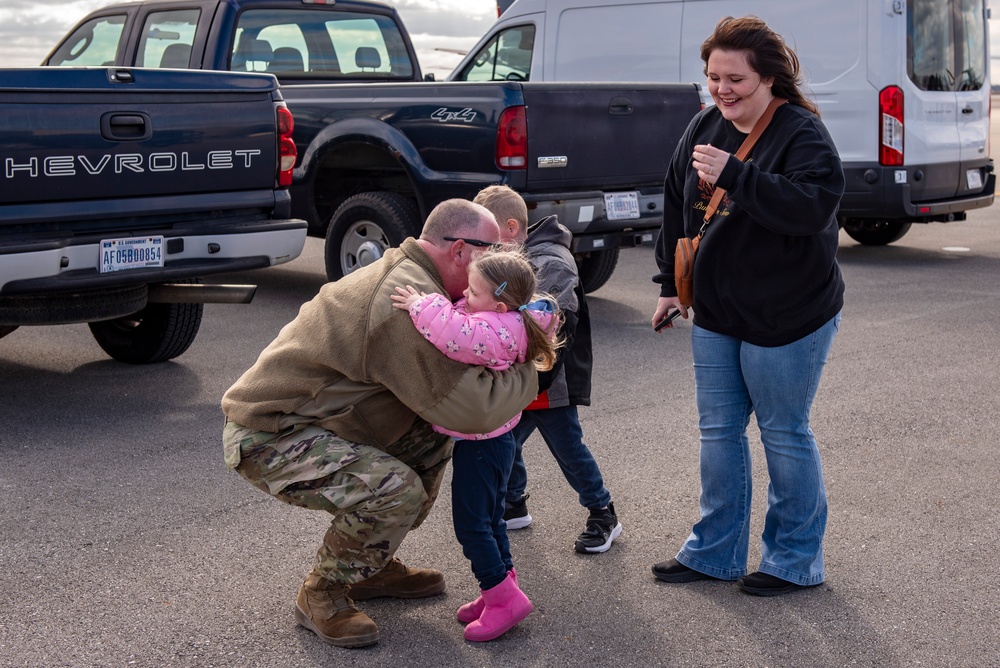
(890, 102)
(287, 152)
(512, 139)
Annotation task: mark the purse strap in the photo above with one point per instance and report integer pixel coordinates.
(741, 154)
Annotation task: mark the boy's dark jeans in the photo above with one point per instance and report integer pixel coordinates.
(560, 427)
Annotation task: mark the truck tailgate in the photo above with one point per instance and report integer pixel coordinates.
(603, 135)
(163, 132)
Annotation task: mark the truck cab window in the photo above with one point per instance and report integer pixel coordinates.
(95, 43)
(315, 45)
(508, 57)
(946, 44)
(167, 38)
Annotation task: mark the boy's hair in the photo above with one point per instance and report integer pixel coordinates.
(505, 203)
(510, 268)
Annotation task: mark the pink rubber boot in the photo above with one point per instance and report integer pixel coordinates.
(470, 612)
(505, 606)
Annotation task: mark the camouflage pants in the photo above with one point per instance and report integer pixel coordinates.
(376, 497)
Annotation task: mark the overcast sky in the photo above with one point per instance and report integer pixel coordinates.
(30, 28)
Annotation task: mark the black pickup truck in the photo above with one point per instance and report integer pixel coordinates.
(120, 188)
(379, 147)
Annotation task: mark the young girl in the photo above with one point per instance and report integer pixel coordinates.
(488, 327)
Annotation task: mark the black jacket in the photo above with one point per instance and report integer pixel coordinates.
(766, 271)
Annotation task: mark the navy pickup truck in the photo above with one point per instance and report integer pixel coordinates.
(120, 188)
(379, 147)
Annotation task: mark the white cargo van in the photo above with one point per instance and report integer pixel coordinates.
(903, 85)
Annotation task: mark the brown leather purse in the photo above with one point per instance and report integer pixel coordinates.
(687, 248)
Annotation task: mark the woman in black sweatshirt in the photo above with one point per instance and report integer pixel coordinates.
(768, 297)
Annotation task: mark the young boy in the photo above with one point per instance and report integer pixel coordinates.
(567, 385)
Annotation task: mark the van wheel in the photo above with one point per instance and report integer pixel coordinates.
(596, 268)
(876, 232)
(364, 226)
(157, 333)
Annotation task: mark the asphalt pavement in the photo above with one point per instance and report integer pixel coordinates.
(125, 542)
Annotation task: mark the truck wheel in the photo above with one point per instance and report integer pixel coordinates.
(596, 268)
(157, 333)
(364, 226)
(876, 232)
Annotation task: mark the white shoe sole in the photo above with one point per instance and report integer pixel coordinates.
(518, 523)
(617, 531)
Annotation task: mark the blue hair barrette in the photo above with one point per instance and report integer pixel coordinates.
(500, 289)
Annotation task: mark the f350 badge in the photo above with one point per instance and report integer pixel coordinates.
(445, 115)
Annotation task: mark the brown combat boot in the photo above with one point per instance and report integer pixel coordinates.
(324, 608)
(399, 581)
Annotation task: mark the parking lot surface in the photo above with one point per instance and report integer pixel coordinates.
(125, 542)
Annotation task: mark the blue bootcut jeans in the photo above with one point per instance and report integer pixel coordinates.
(560, 427)
(478, 486)
(732, 380)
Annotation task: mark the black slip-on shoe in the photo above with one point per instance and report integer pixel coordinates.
(765, 584)
(675, 571)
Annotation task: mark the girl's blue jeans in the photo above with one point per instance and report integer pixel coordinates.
(478, 487)
(732, 380)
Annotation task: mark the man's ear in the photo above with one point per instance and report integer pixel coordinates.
(501, 307)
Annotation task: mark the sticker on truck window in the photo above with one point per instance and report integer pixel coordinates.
(131, 253)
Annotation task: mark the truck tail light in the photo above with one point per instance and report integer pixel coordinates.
(890, 102)
(287, 152)
(512, 139)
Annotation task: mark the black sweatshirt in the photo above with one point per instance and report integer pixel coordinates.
(766, 271)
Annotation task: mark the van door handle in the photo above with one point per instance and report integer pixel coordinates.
(620, 106)
(967, 110)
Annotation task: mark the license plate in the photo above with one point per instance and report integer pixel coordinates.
(131, 253)
(974, 179)
(621, 206)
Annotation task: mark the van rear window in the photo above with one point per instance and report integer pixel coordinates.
(946, 44)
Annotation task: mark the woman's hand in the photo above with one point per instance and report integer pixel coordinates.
(663, 306)
(709, 161)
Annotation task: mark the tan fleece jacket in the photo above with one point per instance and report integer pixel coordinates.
(356, 366)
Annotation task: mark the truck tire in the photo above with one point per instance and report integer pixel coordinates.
(157, 333)
(364, 226)
(63, 308)
(596, 268)
(876, 232)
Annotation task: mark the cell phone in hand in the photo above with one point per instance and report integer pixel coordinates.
(667, 319)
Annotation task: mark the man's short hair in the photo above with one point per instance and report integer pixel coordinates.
(505, 203)
(454, 218)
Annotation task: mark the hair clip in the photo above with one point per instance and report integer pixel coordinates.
(500, 289)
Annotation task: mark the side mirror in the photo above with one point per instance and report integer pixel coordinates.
(429, 76)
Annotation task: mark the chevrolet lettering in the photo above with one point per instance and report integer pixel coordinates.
(120, 163)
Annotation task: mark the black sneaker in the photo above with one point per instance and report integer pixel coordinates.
(516, 514)
(602, 529)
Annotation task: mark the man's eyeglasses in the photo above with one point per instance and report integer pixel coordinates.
(473, 242)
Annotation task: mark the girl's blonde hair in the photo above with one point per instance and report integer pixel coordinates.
(503, 266)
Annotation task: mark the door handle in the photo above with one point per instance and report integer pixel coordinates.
(620, 106)
(967, 110)
(126, 126)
